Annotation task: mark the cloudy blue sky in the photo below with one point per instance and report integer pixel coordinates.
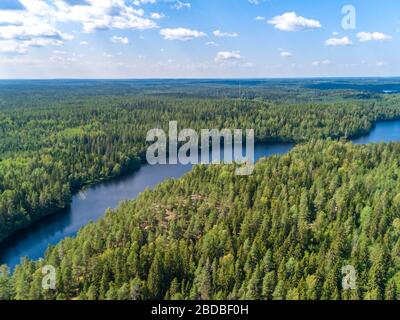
(198, 38)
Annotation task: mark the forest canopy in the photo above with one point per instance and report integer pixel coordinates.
(283, 233)
(55, 142)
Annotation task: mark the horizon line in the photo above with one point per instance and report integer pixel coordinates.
(201, 78)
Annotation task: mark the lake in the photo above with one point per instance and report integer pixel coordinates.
(385, 131)
(89, 205)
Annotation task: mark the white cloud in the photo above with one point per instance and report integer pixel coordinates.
(286, 54)
(120, 40)
(345, 41)
(220, 34)
(260, 18)
(108, 15)
(36, 24)
(290, 21)
(60, 52)
(43, 42)
(254, 1)
(84, 43)
(23, 29)
(319, 63)
(139, 2)
(12, 47)
(107, 55)
(373, 36)
(22, 47)
(94, 14)
(62, 59)
(23, 24)
(381, 64)
(212, 43)
(21, 60)
(182, 34)
(224, 56)
(157, 16)
(181, 5)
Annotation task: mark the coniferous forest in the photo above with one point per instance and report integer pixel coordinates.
(283, 233)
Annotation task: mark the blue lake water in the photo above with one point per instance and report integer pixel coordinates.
(385, 131)
(91, 204)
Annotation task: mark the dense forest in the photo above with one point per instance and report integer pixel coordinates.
(283, 233)
(56, 143)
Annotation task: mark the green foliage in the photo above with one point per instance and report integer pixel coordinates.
(279, 242)
(55, 144)
(283, 233)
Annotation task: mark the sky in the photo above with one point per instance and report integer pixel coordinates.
(46, 39)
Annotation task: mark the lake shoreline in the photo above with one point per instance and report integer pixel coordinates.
(64, 215)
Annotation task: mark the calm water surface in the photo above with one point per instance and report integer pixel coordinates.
(91, 204)
(386, 131)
